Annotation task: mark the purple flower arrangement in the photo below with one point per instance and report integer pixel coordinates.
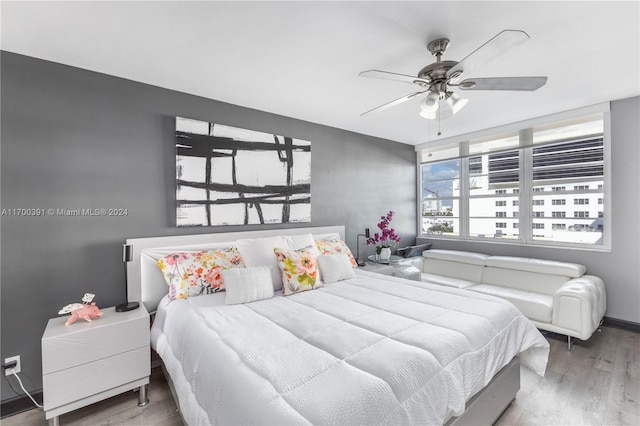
(387, 237)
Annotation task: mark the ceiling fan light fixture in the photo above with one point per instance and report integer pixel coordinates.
(429, 115)
(430, 103)
(456, 102)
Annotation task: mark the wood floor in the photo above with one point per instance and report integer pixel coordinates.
(597, 383)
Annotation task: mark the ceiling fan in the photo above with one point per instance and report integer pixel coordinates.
(438, 78)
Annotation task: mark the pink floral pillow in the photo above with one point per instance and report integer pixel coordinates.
(335, 247)
(196, 273)
(299, 269)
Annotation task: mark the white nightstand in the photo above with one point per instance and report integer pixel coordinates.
(86, 362)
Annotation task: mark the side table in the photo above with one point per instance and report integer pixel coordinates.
(402, 269)
(86, 362)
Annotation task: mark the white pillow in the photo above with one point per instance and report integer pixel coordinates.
(296, 242)
(335, 267)
(245, 285)
(259, 252)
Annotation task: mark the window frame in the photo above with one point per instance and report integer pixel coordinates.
(525, 190)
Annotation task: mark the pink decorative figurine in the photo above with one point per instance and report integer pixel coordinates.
(87, 312)
(84, 310)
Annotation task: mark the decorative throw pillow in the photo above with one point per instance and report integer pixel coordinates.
(335, 267)
(195, 273)
(244, 285)
(259, 252)
(335, 247)
(299, 269)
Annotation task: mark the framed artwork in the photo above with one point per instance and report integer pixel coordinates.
(232, 176)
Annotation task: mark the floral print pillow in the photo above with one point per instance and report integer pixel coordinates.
(299, 269)
(196, 273)
(335, 247)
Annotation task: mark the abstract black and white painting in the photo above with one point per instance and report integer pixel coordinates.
(231, 176)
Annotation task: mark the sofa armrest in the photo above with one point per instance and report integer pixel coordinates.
(579, 305)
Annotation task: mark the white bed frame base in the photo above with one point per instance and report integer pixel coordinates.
(146, 285)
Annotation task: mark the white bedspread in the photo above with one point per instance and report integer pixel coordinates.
(369, 350)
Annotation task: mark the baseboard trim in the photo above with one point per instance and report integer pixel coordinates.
(19, 404)
(625, 325)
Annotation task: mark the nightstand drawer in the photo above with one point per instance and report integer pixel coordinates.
(66, 386)
(72, 345)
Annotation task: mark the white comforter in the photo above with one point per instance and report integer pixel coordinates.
(369, 350)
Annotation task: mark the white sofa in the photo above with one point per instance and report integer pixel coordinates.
(555, 296)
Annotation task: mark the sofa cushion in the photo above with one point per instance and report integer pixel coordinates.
(454, 264)
(540, 266)
(535, 306)
(523, 280)
(442, 280)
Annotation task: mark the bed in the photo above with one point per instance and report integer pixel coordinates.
(370, 349)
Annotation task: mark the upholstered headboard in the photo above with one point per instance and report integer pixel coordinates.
(145, 281)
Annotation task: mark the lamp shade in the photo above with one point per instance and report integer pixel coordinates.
(430, 103)
(456, 102)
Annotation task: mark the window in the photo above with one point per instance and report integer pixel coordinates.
(468, 183)
(441, 198)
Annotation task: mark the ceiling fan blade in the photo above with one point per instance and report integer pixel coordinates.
(503, 83)
(495, 47)
(403, 78)
(394, 102)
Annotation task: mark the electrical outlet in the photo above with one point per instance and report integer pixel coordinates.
(16, 369)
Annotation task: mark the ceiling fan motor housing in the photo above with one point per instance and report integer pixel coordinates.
(437, 71)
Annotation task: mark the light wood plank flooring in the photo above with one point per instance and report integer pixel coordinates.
(597, 383)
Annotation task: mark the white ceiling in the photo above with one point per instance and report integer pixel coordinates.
(302, 59)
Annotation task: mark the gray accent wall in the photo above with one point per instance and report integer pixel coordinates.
(620, 268)
(75, 139)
